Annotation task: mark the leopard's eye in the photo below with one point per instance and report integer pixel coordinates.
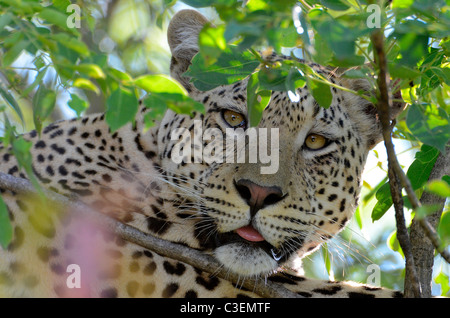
(315, 142)
(234, 119)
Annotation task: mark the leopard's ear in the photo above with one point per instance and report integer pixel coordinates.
(366, 115)
(182, 36)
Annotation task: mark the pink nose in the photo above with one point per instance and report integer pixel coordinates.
(256, 196)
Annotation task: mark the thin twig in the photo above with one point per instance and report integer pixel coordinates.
(169, 249)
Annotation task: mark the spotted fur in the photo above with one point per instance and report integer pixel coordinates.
(130, 176)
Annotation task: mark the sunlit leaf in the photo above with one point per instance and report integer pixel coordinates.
(86, 84)
(159, 84)
(438, 187)
(91, 70)
(443, 280)
(212, 43)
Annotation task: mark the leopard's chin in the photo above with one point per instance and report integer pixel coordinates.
(246, 259)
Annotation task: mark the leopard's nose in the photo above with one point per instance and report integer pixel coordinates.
(256, 196)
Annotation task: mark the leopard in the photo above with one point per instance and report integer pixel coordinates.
(256, 225)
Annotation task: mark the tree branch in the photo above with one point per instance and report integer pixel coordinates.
(397, 175)
(423, 247)
(394, 170)
(175, 251)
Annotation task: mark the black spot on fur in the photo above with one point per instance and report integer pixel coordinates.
(170, 290)
(177, 269)
(158, 226)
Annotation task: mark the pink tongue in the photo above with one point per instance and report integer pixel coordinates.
(250, 234)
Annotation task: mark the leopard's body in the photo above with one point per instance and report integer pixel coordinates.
(130, 175)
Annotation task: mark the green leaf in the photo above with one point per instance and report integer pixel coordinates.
(257, 100)
(10, 100)
(282, 37)
(37, 81)
(326, 257)
(91, 70)
(322, 53)
(338, 35)
(55, 17)
(61, 4)
(402, 4)
(179, 103)
(43, 104)
(402, 71)
(446, 178)
(14, 52)
(438, 187)
(393, 243)
(212, 43)
(281, 77)
(443, 280)
(335, 5)
(86, 84)
(373, 191)
(122, 106)
(420, 169)
(444, 228)
(208, 3)
(77, 104)
(358, 217)
(429, 124)
(384, 202)
(321, 92)
(71, 43)
(412, 39)
(156, 112)
(418, 174)
(21, 151)
(6, 230)
(426, 210)
(231, 66)
(5, 19)
(159, 84)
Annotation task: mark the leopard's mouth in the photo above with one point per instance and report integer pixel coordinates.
(246, 252)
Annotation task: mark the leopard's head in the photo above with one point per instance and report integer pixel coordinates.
(299, 177)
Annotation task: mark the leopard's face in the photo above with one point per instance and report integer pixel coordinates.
(256, 220)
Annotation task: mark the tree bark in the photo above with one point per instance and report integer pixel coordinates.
(187, 255)
(422, 247)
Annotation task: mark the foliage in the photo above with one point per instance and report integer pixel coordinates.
(44, 56)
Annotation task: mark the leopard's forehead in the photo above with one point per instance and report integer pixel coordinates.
(291, 112)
